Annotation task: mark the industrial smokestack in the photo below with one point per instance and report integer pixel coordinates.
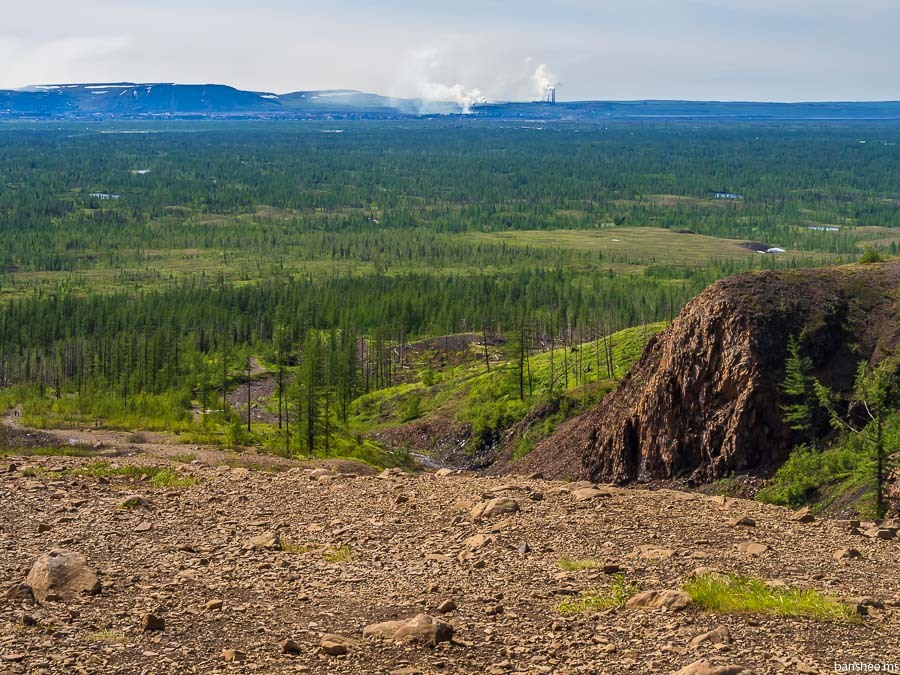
(551, 93)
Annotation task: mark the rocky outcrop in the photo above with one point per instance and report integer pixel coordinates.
(704, 399)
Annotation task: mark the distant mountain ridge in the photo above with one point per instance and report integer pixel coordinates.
(129, 100)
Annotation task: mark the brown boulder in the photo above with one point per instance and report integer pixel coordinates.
(267, 541)
(420, 628)
(673, 600)
(336, 645)
(494, 507)
(62, 574)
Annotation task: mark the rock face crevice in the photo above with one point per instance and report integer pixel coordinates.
(704, 399)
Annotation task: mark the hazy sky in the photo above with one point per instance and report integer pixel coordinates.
(598, 49)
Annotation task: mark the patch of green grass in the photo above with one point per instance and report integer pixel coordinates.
(110, 635)
(738, 594)
(158, 477)
(290, 547)
(575, 564)
(52, 451)
(186, 458)
(338, 555)
(616, 595)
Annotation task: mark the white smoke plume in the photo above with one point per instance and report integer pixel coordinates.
(542, 79)
(427, 73)
(457, 93)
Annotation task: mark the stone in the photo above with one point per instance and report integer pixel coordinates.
(267, 541)
(62, 574)
(443, 473)
(446, 606)
(152, 622)
(587, 494)
(420, 628)
(704, 667)
(144, 526)
(803, 516)
(497, 506)
(650, 552)
(846, 554)
(336, 645)
(20, 591)
(291, 647)
(536, 496)
(135, 502)
(744, 521)
(43, 527)
(880, 533)
(523, 548)
(233, 655)
(752, 548)
(673, 600)
(213, 604)
(717, 636)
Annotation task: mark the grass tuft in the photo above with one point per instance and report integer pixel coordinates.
(50, 451)
(575, 564)
(595, 601)
(338, 555)
(739, 594)
(157, 476)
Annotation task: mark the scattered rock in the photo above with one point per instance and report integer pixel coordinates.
(213, 604)
(420, 628)
(752, 548)
(152, 622)
(43, 527)
(135, 502)
(446, 606)
(336, 645)
(20, 591)
(846, 554)
(717, 636)
(880, 533)
(291, 647)
(62, 574)
(704, 667)
(443, 473)
(803, 516)
(233, 655)
(744, 521)
(650, 552)
(497, 506)
(673, 600)
(588, 493)
(267, 541)
(144, 526)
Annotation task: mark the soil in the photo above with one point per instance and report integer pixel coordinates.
(406, 545)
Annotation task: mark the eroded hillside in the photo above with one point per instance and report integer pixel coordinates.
(705, 400)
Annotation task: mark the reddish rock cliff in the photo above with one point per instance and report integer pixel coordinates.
(704, 399)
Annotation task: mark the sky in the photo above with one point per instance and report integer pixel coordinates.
(771, 50)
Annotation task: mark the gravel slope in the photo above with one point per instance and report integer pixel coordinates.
(412, 545)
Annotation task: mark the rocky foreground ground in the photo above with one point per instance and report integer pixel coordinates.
(246, 571)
